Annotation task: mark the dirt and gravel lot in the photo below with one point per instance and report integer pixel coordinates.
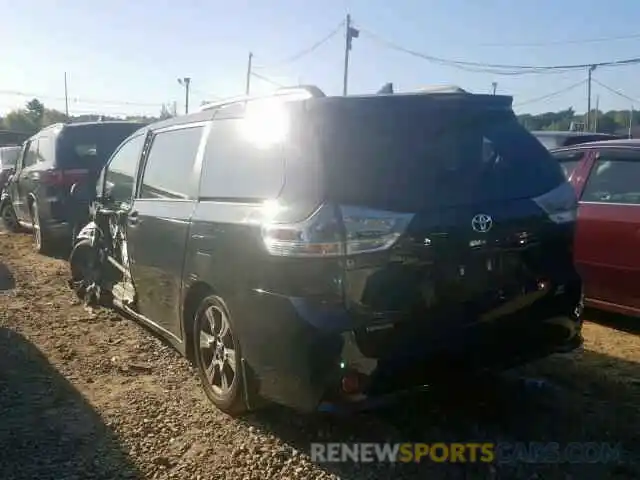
(92, 395)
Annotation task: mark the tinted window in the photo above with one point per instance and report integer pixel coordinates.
(568, 161)
(407, 154)
(170, 162)
(9, 156)
(241, 162)
(121, 172)
(90, 146)
(31, 153)
(614, 179)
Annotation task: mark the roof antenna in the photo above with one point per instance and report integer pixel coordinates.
(386, 89)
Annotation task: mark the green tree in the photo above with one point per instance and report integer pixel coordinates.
(20, 121)
(51, 116)
(613, 121)
(35, 109)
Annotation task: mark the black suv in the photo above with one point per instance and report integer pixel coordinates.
(38, 195)
(302, 248)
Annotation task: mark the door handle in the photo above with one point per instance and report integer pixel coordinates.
(133, 218)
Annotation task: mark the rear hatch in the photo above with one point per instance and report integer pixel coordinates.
(82, 150)
(482, 213)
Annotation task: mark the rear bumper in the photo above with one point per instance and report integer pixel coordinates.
(301, 352)
(58, 230)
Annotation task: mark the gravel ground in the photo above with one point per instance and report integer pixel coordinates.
(89, 394)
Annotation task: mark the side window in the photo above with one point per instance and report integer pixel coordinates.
(121, 171)
(569, 161)
(169, 163)
(44, 149)
(614, 179)
(30, 153)
(244, 159)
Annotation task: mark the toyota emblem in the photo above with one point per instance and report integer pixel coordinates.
(481, 223)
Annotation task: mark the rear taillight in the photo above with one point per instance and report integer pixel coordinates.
(333, 231)
(60, 178)
(560, 204)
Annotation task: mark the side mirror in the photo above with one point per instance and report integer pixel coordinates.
(108, 189)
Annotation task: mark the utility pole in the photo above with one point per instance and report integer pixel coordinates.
(66, 97)
(588, 119)
(351, 33)
(494, 86)
(249, 62)
(630, 120)
(596, 114)
(185, 82)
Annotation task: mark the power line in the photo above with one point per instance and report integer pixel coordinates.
(306, 51)
(497, 68)
(552, 94)
(616, 92)
(562, 42)
(268, 80)
(78, 100)
(204, 94)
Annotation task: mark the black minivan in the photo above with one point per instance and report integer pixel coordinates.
(301, 248)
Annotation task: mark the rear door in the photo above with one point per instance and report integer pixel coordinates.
(608, 231)
(478, 237)
(23, 180)
(158, 223)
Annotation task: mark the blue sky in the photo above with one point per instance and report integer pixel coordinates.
(123, 57)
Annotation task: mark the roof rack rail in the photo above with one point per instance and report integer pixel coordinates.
(301, 91)
(312, 90)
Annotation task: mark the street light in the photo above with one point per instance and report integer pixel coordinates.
(185, 82)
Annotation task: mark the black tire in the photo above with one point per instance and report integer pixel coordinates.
(41, 241)
(9, 218)
(214, 363)
(84, 266)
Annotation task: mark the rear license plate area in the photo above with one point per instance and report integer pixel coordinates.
(476, 275)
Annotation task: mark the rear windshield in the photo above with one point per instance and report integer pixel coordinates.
(9, 156)
(90, 146)
(407, 156)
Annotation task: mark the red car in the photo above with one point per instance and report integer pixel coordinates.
(606, 176)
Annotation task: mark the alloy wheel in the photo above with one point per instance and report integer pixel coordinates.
(217, 351)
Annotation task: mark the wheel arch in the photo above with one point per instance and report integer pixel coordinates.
(31, 200)
(196, 292)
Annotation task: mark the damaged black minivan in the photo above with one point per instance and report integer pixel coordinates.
(302, 248)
